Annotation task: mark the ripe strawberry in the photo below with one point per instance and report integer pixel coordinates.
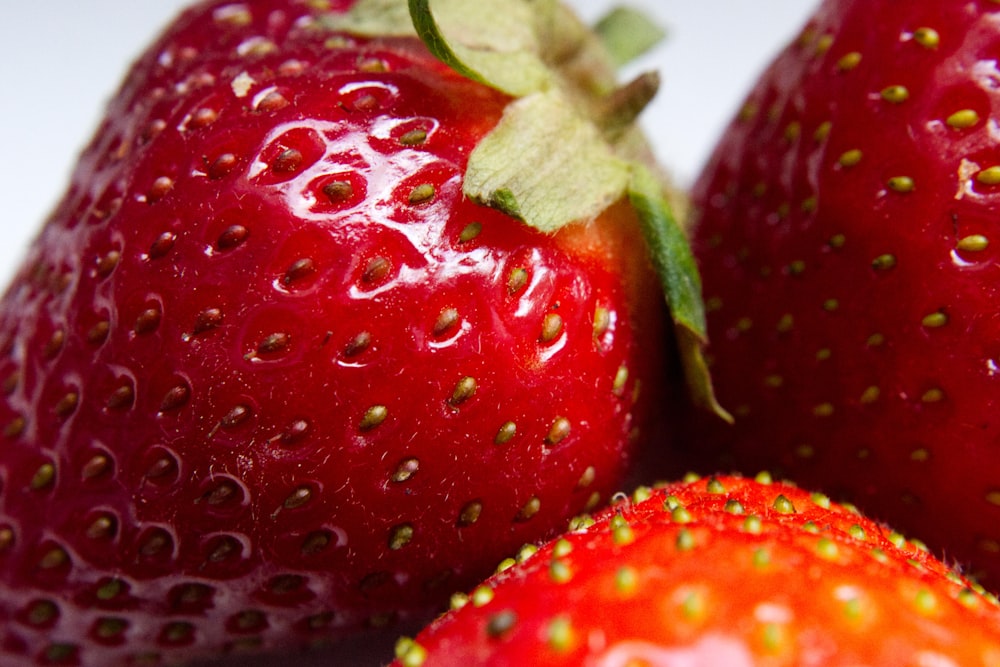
(847, 231)
(726, 571)
(270, 373)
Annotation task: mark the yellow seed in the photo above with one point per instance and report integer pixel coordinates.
(895, 94)
(827, 548)
(884, 262)
(482, 596)
(506, 433)
(562, 548)
(774, 381)
(560, 572)
(401, 536)
(935, 320)
(681, 515)
(410, 653)
(926, 602)
(823, 410)
(748, 112)
(560, 634)
(870, 395)
(850, 158)
(823, 131)
(471, 231)
(560, 429)
(974, 243)
(552, 326)
(901, 184)
(530, 509)
(626, 580)
(927, 37)
(464, 390)
(621, 379)
(820, 500)
(849, 61)
(734, 506)
(963, 119)
(933, 396)
(783, 505)
(823, 44)
(422, 193)
(374, 417)
(989, 176)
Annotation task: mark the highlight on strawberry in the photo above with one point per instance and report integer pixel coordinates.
(344, 303)
(718, 571)
(846, 231)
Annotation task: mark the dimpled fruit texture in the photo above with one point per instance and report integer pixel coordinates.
(268, 376)
(847, 236)
(719, 572)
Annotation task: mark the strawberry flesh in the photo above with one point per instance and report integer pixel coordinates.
(721, 571)
(844, 236)
(270, 377)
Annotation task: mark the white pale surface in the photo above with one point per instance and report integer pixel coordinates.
(60, 60)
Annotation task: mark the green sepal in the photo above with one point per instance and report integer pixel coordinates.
(372, 18)
(494, 42)
(574, 174)
(628, 34)
(675, 264)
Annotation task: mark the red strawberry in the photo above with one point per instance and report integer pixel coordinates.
(846, 229)
(725, 571)
(270, 373)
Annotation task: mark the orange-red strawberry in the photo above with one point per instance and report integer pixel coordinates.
(722, 571)
(271, 372)
(848, 233)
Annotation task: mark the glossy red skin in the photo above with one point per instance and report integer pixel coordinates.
(254, 508)
(923, 453)
(820, 585)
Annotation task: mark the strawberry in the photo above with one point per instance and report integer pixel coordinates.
(845, 226)
(721, 571)
(273, 371)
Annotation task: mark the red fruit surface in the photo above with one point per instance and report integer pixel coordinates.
(722, 571)
(268, 376)
(847, 233)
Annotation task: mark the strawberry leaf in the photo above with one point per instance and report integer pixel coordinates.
(678, 271)
(628, 34)
(372, 18)
(495, 42)
(574, 174)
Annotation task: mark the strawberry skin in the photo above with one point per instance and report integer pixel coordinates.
(720, 571)
(269, 376)
(847, 235)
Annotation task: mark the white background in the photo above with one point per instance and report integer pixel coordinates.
(60, 60)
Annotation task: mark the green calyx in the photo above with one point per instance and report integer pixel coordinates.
(569, 120)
